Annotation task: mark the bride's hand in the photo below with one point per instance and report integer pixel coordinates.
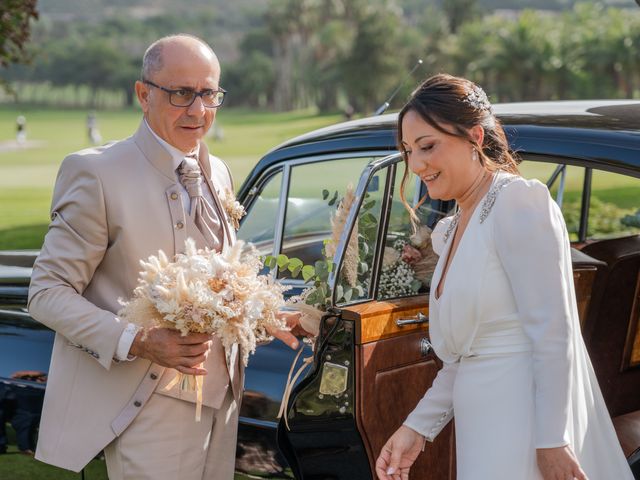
(559, 464)
(398, 454)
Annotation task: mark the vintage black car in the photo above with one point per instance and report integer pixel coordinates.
(373, 359)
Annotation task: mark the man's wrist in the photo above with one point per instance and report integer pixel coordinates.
(126, 350)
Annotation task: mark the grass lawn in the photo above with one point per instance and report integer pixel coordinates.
(17, 466)
(27, 174)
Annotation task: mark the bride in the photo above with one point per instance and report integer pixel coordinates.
(503, 315)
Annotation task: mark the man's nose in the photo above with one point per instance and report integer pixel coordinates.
(197, 108)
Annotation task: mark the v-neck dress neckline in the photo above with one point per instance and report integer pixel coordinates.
(450, 236)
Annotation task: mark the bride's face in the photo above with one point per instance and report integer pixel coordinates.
(443, 162)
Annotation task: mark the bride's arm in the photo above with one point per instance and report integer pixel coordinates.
(435, 409)
(532, 243)
(429, 417)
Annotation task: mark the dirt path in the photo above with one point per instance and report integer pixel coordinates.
(13, 145)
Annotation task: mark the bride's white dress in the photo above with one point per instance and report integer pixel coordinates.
(516, 373)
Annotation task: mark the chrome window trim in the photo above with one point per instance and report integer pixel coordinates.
(285, 168)
(258, 423)
(256, 190)
(369, 171)
(385, 214)
(282, 214)
(561, 186)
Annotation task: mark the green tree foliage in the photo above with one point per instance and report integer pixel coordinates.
(459, 12)
(15, 23)
(287, 54)
(15, 30)
(377, 58)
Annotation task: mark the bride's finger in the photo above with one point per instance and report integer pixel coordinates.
(382, 463)
(580, 475)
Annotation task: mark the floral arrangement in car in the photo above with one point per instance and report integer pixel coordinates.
(407, 265)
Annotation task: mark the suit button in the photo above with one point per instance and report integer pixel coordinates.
(174, 196)
(179, 225)
(153, 376)
(137, 403)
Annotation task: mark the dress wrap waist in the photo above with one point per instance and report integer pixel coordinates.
(500, 336)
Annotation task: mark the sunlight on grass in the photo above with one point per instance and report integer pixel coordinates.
(27, 175)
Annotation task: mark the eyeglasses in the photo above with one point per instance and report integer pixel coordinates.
(184, 97)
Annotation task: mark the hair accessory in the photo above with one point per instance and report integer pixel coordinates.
(478, 99)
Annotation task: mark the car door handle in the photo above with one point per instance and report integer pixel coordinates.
(419, 318)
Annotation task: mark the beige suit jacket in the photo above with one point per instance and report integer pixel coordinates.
(112, 206)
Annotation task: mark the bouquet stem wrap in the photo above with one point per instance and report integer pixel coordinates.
(189, 383)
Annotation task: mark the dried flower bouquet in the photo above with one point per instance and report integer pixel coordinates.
(203, 291)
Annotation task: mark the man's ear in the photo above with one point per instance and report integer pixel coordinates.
(142, 92)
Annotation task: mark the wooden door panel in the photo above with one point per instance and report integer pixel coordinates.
(392, 374)
(583, 279)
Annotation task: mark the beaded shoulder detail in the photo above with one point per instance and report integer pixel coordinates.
(452, 225)
(486, 207)
(490, 199)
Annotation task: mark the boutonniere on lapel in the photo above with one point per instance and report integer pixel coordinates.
(233, 208)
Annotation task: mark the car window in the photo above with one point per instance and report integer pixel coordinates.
(408, 260)
(314, 191)
(565, 186)
(354, 280)
(259, 224)
(614, 208)
(614, 202)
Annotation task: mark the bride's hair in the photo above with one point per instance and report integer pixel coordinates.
(445, 100)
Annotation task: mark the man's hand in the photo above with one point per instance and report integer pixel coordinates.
(288, 337)
(168, 348)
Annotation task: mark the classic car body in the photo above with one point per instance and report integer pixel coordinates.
(373, 359)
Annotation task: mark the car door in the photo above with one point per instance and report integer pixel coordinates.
(286, 214)
(373, 360)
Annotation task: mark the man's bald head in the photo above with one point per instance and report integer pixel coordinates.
(154, 58)
(173, 67)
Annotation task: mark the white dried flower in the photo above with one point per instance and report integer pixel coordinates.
(391, 256)
(208, 292)
(422, 237)
(233, 208)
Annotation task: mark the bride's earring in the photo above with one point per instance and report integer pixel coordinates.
(474, 155)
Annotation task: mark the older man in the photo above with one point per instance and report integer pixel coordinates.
(113, 206)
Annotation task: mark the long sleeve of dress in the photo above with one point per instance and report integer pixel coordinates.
(533, 247)
(435, 409)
